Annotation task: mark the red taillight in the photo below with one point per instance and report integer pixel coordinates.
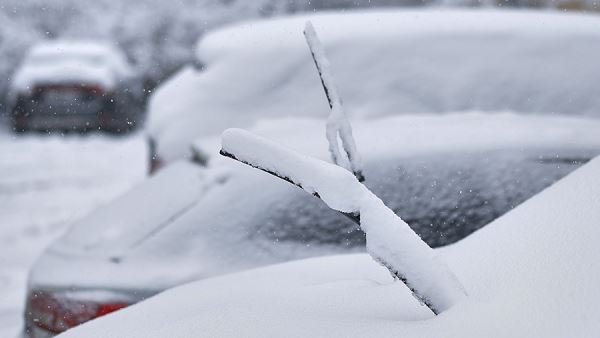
(56, 313)
(90, 89)
(93, 90)
(155, 164)
(105, 309)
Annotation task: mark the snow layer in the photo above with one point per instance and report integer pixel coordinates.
(181, 183)
(231, 229)
(385, 63)
(531, 273)
(390, 241)
(236, 225)
(337, 122)
(71, 62)
(45, 184)
(314, 176)
(16, 38)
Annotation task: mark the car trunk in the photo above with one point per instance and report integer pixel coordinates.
(66, 99)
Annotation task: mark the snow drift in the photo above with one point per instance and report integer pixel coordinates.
(385, 63)
(447, 183)
(530, 273)
(390, 241)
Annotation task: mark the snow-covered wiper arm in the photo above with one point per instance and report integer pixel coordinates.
(337, 122)
(390, 241)
(355, 217)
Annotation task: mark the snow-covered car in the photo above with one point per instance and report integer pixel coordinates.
(387, 63)
(73, 85)
(531, 273)
(447, 175)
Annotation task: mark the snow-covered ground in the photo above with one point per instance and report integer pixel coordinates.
(46, 182)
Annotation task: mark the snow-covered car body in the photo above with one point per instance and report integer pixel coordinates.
(447, 175)
(530, 273)
(72, 85)
(386, 63)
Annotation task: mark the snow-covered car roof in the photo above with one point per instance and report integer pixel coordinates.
(71, 62)
(531, 273)
(192, 222)
(385, 63)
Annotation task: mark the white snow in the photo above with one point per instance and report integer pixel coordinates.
(337, 122)
(431, 134)
(45, 184)
(231, 229)
(390, 241)
(386, 63)
(15, 39)
(180, 185)
(157, 35)
(135, 217)
(314, 176)
(71, 62)
(531, 273)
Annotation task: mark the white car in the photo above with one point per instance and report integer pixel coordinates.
(531, 273)
(387, 63)
(447, 175)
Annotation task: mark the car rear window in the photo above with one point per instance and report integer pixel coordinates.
(443, 198)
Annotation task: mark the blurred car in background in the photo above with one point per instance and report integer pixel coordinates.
(74, 85)
(446, 175)
(386, 63)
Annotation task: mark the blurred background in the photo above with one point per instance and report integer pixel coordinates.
(158, 37)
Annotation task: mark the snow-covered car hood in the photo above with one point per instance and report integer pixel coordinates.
(385, 63)
(190, 222)
(531, 273)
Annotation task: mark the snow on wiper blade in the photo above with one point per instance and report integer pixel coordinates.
(390, 241)
(337, 122)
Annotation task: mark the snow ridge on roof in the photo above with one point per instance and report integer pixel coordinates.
(386, 63)
(71, 62)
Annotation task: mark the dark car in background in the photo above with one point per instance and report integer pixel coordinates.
(73, 85)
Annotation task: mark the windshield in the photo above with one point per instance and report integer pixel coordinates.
(443, 199)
